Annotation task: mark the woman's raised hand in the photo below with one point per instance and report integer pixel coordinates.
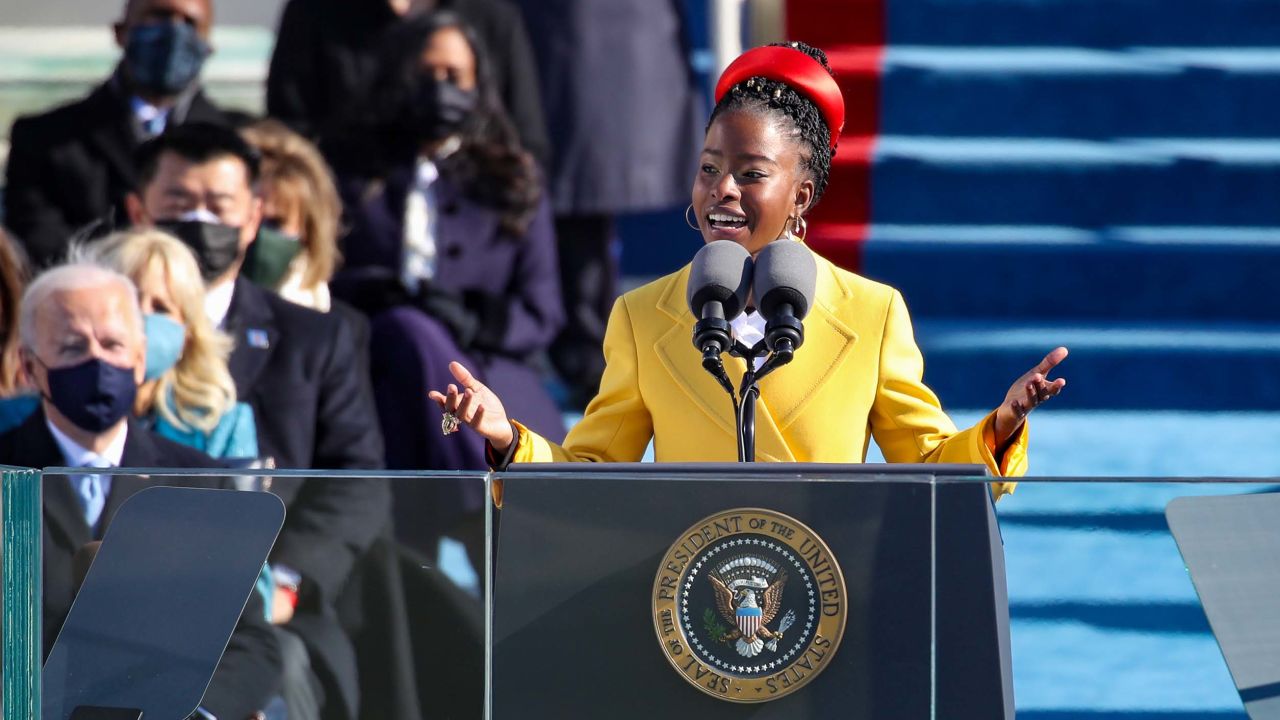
(1028, 393)
(477, 406)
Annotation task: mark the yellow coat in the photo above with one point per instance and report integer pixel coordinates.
(858, 375)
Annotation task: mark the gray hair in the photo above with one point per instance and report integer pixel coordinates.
(77, 275)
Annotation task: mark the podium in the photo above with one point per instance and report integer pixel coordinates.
(641, 591)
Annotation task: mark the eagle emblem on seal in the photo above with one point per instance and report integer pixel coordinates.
(749, 602)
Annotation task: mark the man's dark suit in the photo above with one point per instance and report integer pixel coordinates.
(304, 373)
(74, 164)
(249, 673)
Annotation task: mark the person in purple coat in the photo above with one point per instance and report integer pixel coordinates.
(450, 249)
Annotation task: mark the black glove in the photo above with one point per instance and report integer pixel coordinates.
(448, 307)
(370, 289)
(492, 316)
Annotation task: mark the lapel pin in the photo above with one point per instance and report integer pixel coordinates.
(258, 339)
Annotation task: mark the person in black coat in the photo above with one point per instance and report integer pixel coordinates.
(625, 116)
(300, 371)
(329, 51)
(72, 166)
(84, 350)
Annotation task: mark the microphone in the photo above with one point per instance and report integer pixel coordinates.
(719, 283)
(785, 277)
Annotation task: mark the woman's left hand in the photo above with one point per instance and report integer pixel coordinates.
(1028, 393)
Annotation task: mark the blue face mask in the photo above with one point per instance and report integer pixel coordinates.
(164, 58)
(165, 339)
(93, 395)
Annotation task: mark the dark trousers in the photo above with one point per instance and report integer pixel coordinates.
(589, 286)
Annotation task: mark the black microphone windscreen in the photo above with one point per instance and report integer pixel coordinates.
(721, 272)
(785, 272)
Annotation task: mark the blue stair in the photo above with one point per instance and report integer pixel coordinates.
(1072, 92)
(1083, 23)
(1081, 183)
(1101, 174)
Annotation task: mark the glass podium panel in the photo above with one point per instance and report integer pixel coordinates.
(20, 571)
(717, 591)
(392, 596)
(633, 590)
(1116, 592)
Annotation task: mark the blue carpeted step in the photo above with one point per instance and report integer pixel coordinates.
(1141, 366)
(1131, 674)
(925, 180)
(1078, 92)
(1118, 273)
(1049, 567)
(1087, 23)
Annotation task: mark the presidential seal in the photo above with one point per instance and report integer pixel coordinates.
(749, 605)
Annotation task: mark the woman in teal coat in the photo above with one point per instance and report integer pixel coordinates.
(188, 395)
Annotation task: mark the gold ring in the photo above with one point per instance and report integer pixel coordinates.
(449, 423)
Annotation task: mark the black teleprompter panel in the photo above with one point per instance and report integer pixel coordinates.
(577, 556)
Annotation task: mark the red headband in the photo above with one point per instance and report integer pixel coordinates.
(795, 69)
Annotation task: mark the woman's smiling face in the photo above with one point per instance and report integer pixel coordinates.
(750, 180)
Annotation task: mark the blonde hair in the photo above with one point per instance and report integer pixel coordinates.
(13, 278)
(201, 385)
(299, 178)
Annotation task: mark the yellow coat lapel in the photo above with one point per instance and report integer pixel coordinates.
(678, 356)
(827, 341)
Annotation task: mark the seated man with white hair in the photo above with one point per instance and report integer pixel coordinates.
(84, 351)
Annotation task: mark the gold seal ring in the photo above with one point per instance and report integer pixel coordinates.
(749, 605)
(449, 423)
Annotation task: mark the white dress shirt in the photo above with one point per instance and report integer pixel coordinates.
(421, 218)
(421, 213)
(217, 302)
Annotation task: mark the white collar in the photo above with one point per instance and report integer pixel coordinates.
(426, 173)
(217, 301)
(77, 455)
(145, 111)
(748, 329)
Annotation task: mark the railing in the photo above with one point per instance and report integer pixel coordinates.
(1103, 609)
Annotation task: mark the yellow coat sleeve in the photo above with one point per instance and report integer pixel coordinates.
(907, 420)
(616, 426)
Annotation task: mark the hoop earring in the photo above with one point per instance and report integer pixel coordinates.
(798, 228)
(687, 221)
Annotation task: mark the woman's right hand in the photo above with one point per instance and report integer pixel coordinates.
(477, 406)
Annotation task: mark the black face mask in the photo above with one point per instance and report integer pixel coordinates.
(216, 246)
(439, 109)
(93, 395)
(164, 58)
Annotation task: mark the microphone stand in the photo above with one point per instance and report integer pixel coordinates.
(749, 391)
(744, 400)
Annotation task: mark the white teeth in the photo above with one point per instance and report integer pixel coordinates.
(720, 218)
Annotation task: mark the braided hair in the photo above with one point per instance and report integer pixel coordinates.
(761, 95)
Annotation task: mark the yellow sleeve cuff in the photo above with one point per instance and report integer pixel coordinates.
(1014, 461)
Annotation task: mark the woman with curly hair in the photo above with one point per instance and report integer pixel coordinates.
(451, 250)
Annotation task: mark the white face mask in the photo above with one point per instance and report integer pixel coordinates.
(199, 215)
